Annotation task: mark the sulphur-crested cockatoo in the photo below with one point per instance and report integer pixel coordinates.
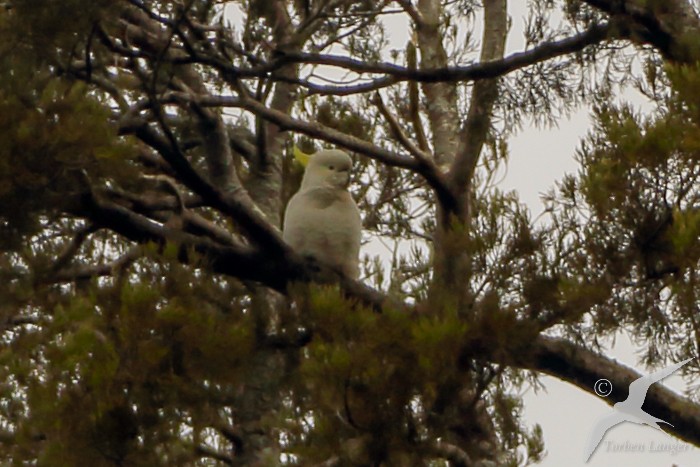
(322, 219)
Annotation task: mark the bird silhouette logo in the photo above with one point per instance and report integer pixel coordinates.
(630, 410)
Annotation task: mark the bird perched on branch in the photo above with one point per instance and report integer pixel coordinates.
(322, 220)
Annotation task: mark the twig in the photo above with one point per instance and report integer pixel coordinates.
(398, 132)
(452, 453)
(80, 236)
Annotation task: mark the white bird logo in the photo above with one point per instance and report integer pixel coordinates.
(630, 410)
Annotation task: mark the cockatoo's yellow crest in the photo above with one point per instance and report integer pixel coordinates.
(300, 156)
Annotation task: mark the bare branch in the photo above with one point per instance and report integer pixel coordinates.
(360, 88)
(392, 73)
(92, 271)
(456, 456)
(73, 247)
(667, 29)
(484, 95)
(206, 451)
(235, 204)
(582, 368)
(398, 132)
(474, 72)
(424, 168)
(411, 10)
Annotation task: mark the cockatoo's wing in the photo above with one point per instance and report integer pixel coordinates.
(598, 432)
(639, 387)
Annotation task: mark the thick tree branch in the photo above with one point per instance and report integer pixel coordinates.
(484, 95)
(441, 96)
(165, 209)
(581, 367)
(235, 260)
(234, 203)
(474, 72)
(422, 167)
(669, 26)
(240, 261)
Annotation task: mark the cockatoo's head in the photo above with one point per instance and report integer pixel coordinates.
(329, 168)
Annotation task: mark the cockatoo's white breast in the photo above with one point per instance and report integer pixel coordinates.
(325, 223)
(322, 220)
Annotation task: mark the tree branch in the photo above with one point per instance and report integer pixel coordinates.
(89, 272)
(240, 261)
(235, 203)
(484, 94)
(456, 456)
(581, 367)
(474, 72)
(398, 132)
(668, 29)
(411, 11)
(73, 247)
(191, 221)
(425, 168)
(206, 451)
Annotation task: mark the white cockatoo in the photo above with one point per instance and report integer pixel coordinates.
(322, 219)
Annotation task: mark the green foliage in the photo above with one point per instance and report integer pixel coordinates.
(125, 360)
(369, 380)
(636, 202)
(52, 135)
